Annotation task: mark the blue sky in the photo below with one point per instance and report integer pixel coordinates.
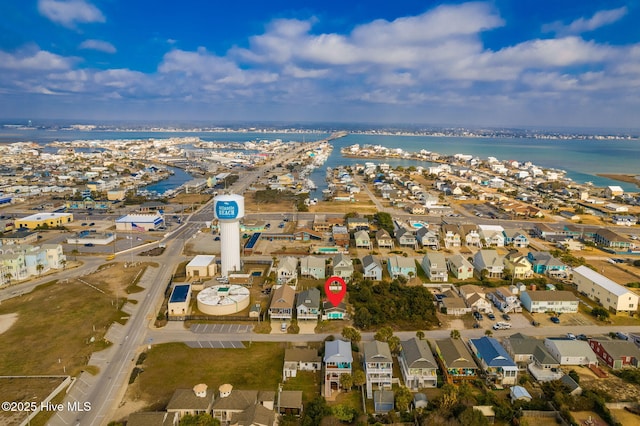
(543, 63)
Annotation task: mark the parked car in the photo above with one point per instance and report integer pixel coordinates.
(491, 316)
(555, 320)
(506, 317)
(582, 337)
(283, 327)
(535, 323)
(571, 336)
(477, 316)
(501, 326)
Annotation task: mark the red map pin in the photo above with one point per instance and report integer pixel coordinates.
(334, 295)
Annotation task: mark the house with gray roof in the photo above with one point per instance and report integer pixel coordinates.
(343, 266)
(418, 365)
(338, 360)
(406, 238)
(308, 304)
(378, 366)
(531, 354)
(312, 266)
(428, 238)
(300, 359)
(460, 267)
(372, 268)
(400, 265)
(434, 265)
(489, 261)
(571, 352)
(457, 361)
(244, 407)
(198, 400)
(616, 353)
(362, 240)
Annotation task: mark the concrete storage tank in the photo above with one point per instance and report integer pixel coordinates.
(229, 209)
(223, 299)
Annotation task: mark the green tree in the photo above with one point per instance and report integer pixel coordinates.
(359, 378)
(574, 375)
(315, 411)
(600, 313)
(202, 419)
(488, 333)
(455, 334)
(420, 334)
(383, 334)
(394, 344)
(346, 381)
(344, 413)
(39, 268)
(471, 417)
(351, 334)
(403, 398)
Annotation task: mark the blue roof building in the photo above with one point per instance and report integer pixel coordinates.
(494, 360)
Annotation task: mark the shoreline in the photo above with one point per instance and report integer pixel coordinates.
(620, 177)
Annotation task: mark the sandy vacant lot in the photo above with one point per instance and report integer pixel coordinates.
(6, 321)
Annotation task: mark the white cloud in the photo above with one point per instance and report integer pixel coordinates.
(582, 25)
(34, 60)
(99, 45)
(70, 12)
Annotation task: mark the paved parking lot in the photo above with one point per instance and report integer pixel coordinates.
(221, 328)
(215, 344)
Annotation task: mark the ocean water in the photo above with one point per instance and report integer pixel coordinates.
(581, 159)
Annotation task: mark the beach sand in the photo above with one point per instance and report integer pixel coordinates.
(6, 321)
(621, 178)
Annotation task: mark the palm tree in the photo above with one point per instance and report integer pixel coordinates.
(420, 334)
(488, 333)
(39, 268)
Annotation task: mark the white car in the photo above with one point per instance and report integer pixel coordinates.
(501, 326)
(571, 336)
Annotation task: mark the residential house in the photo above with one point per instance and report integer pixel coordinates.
(384, 240)
(338, 360)
(601, 289)
(282, 301)
(518, 265)
(488, 263)
(616, 353)
(406, 238)
(613, 191)
(244, 407)
(312, 266)
(571, 352)
(372, 269)
(492, 235)
(494, 360)
(611, 239)
(452, 304)
(418, 365)
(451, 235)
(428, 238)
(300, 359)
(343, 266)
(363, 240)
(400, 265)
(378, 366)
(460, 267)
(331, 312)
(456, 360)
(476, 298)
(469, 235)
(549, 301)
(519, 393)
(544, 264)
(624, 220)
(289, 403)
(516, 238)
(505, 300)
(287, 270)
(573, 388)
(340, 236)
(308, 305)
(434, 265)
(357, 224)
(198, 400)
(531, 354)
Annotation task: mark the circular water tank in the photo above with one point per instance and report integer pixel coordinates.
(223, 299)
(228, 207)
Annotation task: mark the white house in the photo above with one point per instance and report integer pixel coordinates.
(549, 301)
(571, 352)
(434, 265)
(372, 268)
(610, 294)
(378, 366)
(418, 365)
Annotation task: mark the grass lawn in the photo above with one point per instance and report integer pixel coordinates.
(26, 389)
(309, 382)
(57, 320)
(172, 366)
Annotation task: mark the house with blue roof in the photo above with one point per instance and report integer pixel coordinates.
(494, 360)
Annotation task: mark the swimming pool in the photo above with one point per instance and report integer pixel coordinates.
(418, 224)
(327, 250)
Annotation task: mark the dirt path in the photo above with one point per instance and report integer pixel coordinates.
(6, 321)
